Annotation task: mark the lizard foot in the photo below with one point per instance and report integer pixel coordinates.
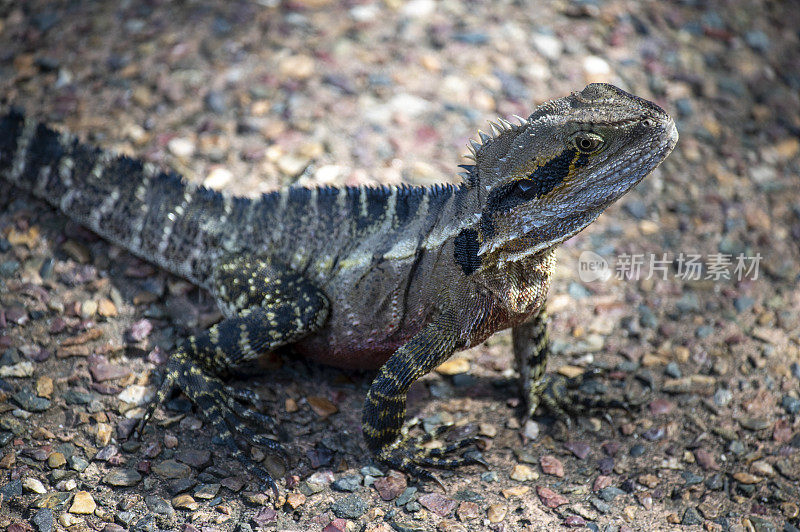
(222, 410)
(407, 454)
(566, 398)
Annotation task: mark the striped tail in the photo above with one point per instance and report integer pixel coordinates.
(153, 214)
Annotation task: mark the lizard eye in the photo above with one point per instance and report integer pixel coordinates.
(587, 142)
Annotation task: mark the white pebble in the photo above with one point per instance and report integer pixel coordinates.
(218, 178)
(595, 65)
(181, 147)
(547, 45)
(531, 429)
(34, 485)
(136, 394)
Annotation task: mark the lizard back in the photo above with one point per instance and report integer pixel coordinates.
(187, 229)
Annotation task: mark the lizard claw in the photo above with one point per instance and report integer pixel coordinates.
(267, 482)
(168, 381)
(477, 458)
(438, 482)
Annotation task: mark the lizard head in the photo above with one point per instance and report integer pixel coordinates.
(541, 181)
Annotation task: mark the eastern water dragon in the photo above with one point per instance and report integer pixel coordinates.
(395, 278)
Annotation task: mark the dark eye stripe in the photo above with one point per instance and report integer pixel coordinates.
(537, 184)
(542, 180)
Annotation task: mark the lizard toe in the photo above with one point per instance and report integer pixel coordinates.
(249, 414)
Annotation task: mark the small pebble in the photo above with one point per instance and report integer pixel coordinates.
(453, 366)
(600, 505)
(22, 369)
(136, 395)
(574, 521)
(531, 430)
(322, 406)
(516, 491)
(181, 147)
(350, 507)
(295, 500)
(207, 491)
(468, 511)
(122, 477)
(610, 493)
(43, 520)
(743, 303)
(409, 494)
(347, 483)
(56, 460)
(172, 469)
(523, 473)
(551, 466)
(159, 506)
(753, 423)
(673, 370)
(487, 429)
(68, 520)
(579, 449)
(706, 460)
(601, 482)
(714, 482)
(747, 478)
(78, 463)
(790, 404)
(722, 396)
(496, 513)
(691, 517)
(736, 447)
(795, 369)
(413, 507)
(489, 476)
(691, 479)
(194, 457)
(184, 502)
(33, 485)
(438, 504)
(391, 486)
(82, 503)
(29, 401)
(550, 498)
(760, 467)
(337, 525)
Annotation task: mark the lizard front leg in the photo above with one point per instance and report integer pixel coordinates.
(385, 405)
(531, 343)
(267, 306)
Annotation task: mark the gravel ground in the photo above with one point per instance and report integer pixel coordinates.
(249, 96)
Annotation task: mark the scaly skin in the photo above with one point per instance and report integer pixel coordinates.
(394, 278)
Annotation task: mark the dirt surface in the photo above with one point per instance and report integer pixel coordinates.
(249, 96)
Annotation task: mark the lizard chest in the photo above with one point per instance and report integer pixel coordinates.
(515, 291)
